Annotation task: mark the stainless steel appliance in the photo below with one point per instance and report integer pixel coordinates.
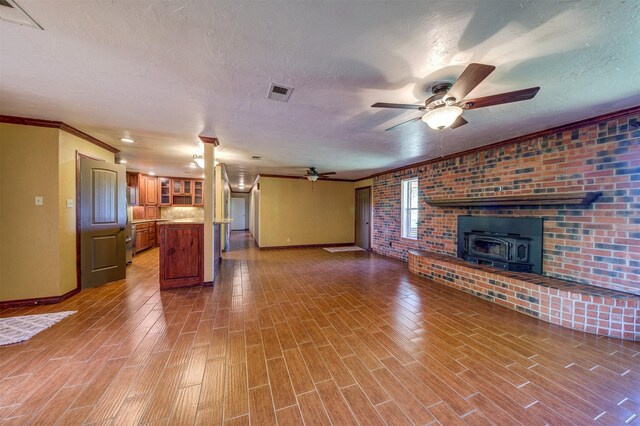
(130, 230)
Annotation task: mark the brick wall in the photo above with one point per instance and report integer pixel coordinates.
(597, 244)
(576, 306)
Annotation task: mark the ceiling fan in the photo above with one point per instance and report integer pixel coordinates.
(445, 107)
(312, 174)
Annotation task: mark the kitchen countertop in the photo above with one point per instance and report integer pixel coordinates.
(148, 220)
(174, 221)
(195, 221)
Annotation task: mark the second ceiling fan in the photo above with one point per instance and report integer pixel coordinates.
(444, 108)
(313, 175)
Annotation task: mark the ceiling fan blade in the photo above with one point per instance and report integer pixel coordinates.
(326, 173)
(401, 106)
(460, 121)
(470, 78)
(403, 123)
(502, 98)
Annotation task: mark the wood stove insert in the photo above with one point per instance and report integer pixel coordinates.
(514, 244)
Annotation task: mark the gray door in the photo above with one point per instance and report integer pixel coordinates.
(238, 214)
(363, 218)
(103, 216)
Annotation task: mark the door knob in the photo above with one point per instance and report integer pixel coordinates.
(122, 228)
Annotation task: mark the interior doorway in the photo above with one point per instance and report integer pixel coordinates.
(363, 218)
(101, 217)
(238, 213)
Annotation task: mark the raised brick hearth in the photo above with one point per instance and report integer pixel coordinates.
(580, 307)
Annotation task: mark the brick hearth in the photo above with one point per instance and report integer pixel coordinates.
(578, 306)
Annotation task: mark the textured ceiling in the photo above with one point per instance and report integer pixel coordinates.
(163, 72)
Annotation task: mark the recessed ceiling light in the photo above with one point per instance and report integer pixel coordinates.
(193, 165)
(123, 161)
(152, 173)
(203, 176)
(241, 186)
(126, 140)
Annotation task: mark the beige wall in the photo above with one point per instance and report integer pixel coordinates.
(68, 146)
(38, 243)
(363, 183)
(297, 212)
(29, 238)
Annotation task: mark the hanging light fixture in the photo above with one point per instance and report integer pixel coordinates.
(443, 117)
(312, 178)
(199, 159)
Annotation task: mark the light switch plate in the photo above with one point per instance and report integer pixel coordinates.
(39, 200)
(69, 203)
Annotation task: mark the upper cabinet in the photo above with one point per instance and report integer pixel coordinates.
(134, 192)
(182, 192)
(198, 193)
(164, 185)
(151, 192)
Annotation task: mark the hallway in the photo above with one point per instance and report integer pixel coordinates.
(293, 335)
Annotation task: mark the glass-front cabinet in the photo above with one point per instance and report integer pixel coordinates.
(198, 193)
(182, 192)
(165, 191)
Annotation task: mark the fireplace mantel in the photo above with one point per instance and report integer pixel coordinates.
(555, 198)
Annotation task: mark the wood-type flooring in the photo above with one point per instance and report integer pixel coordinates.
(304, 336)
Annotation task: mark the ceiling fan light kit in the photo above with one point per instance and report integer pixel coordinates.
(313, 175)
(443, 117)
(444, 108)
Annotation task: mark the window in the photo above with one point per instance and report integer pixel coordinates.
(410, 208)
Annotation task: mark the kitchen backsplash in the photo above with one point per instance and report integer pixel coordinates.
(196, 213)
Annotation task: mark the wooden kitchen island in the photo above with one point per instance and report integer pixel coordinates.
(181, 254)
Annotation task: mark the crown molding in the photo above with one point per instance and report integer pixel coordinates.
(25, 121)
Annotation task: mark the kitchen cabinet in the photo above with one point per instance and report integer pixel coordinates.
(198, 193)
(181, 254)
(145, 235)
(152, 234)
(164, 189)
(181, 192)
(142, 238)
(148, 193)
(182, 186)
(134, 193)
(150, 190)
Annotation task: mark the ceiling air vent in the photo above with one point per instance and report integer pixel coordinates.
(11, 11)
(278, 92)
(256, 157)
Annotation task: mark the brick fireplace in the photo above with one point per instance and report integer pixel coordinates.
(597, 245)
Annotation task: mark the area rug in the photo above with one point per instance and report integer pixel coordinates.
(339, 249)
(19, 329)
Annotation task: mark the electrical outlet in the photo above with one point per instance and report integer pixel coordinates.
(288, 240)
(39, 200)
